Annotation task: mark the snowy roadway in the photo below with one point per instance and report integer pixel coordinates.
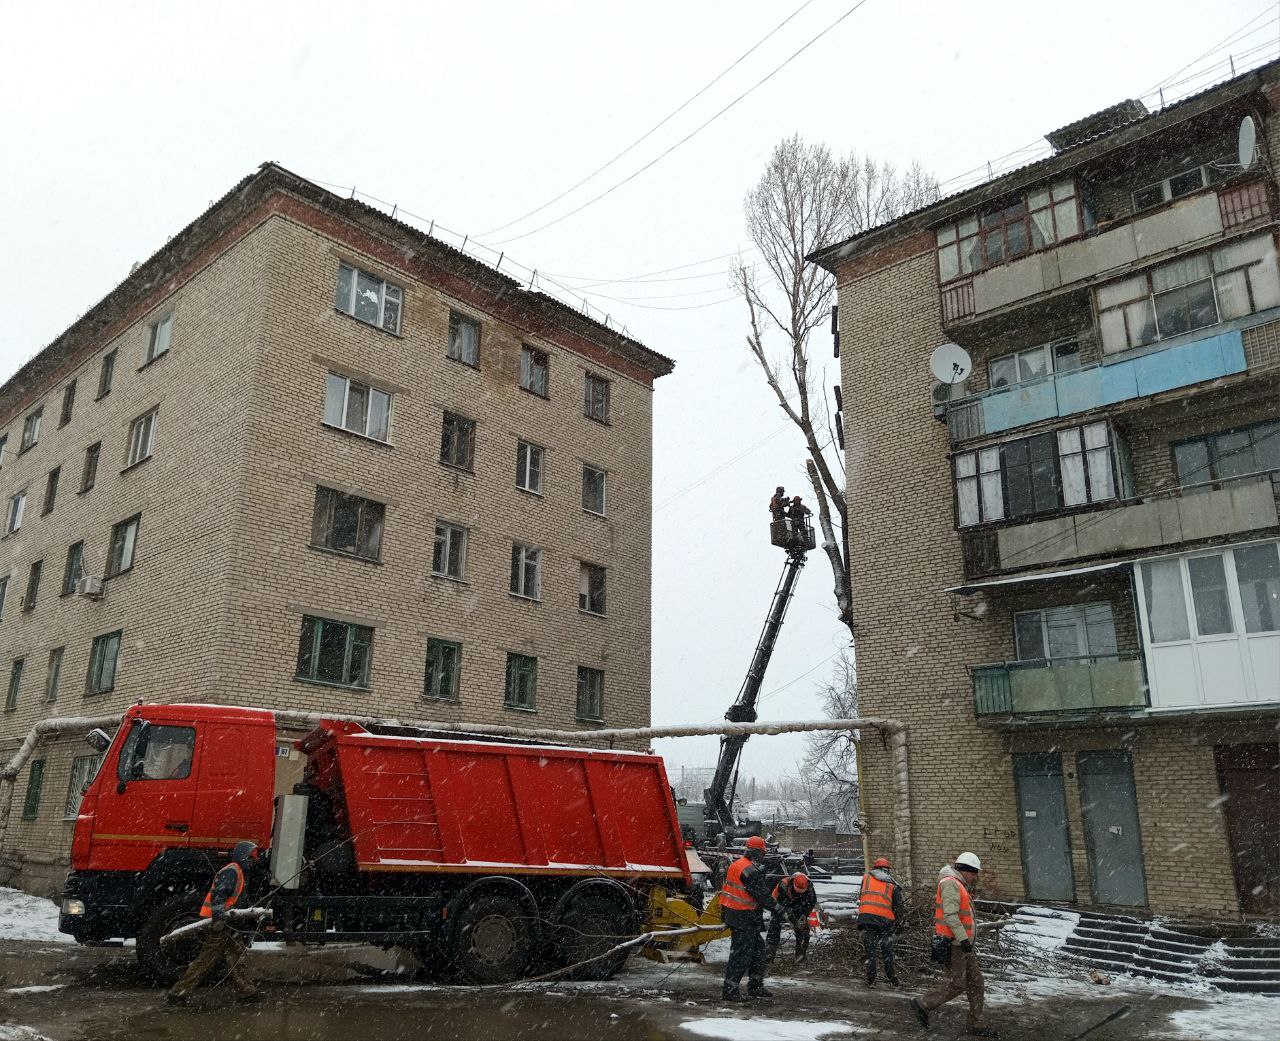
(53, 989)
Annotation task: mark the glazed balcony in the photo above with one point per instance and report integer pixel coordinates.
(1089, 684)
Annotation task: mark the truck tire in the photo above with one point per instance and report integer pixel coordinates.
(592, 925)
(164, 963)
(494, 939)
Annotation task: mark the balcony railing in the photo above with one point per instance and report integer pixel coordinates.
(1092, 683)
(1104, 383)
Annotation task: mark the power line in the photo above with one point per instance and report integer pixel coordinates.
(659, 125)
(644, 275)
(693, 133)
(1212, 50)
(721, 468)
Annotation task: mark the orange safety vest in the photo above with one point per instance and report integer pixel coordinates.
(206, 909)
(876, 897)
(940, 926)
(734, 895)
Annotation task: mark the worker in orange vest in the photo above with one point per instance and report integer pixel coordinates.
(953, 927)
(880, 915)
(222, 944)
(743, 899)
(796, 899)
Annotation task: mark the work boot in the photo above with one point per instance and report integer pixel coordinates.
(176, 999)
(249, 997)
(894, 982)
(922, 1016)
(760, 993)
(731, 995)
(982, 1032)
(772, 953)
(871, 978)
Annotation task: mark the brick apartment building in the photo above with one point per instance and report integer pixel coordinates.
(319, 460)
(1066, 567)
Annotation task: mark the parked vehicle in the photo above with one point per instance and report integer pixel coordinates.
(484, 857)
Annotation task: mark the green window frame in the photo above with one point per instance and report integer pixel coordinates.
(444, 669)
(522, 682)
(35, 786)
(333, 653)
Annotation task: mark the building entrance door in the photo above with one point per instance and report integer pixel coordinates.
(1249, 777)
(1042, 820)
(1111, 830)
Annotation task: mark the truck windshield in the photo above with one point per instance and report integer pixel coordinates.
(157, 753)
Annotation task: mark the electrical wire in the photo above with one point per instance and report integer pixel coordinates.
(1212, 50)
(657, 126)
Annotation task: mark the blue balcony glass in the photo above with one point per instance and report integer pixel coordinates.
(1104, 383)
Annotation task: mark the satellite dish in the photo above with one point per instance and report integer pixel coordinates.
(950, 363)
(1247, 143)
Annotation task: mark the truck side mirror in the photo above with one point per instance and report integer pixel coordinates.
(98, 739)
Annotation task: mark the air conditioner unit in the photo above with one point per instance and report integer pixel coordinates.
(90, 586)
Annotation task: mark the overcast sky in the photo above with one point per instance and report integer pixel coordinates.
(121, 122)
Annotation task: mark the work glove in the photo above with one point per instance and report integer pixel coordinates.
(966, 946)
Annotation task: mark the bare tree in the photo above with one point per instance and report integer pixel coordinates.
(809, 198)
(831, 758)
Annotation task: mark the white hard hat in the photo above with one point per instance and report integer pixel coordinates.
(969, 860)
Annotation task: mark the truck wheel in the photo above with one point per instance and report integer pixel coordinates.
(164, 963)
(494, 939)
(591, 926)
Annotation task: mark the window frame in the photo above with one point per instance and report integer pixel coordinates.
(370, 518)
(530, 459)
(17, 512)
(530, 366)
(1050, 354)
(521, 666)
(68, 404)
(142, 438)
(372, 394)
(4, 593)
(32, 425)
(593, 677)
(593, 403)
(593, 589)
(449, 535)
(352, 295)
(524, 557)
(124, 537)
(89, 471)
(1215, 478)
(437, 670)
(972, 231)
(50, 491)
(316, 624)
(457, 321)
(34, 790)
(603, 481)
(53, 674)
(75, 793)
(159, 339)
(106, 373)
(16, 669)
(31, 595)
(1079, 613)
(70, 578)
(1166, 189)
(450, 425)
(97, 660)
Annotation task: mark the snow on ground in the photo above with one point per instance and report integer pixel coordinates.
(13, 1032)
(26, 917)
(1043, 927)
(1234, 1017)
(42, 988)
(764, 1029)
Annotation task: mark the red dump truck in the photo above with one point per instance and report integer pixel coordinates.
(485, 858)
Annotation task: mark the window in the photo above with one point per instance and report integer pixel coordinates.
(104, 659)
(457, 441)
(105, 374)
(529, 467)
(533, 370)
(15, 684)
(353, 406)
(17, 507)
(450, 557)
(591, 589)
(142, 436)
(158, 338)
(339, 653)
(593, 489)
(1258, 576)
(68, 403)
(526, 571)
(1228, 453)
(1035, 475)
(35, 785)
(464, 339)
(522, 682)
(74, 570)
(347, 524)
(4, 446)
(54, 676)
(33, 585)
(444, 663)
(1036, 220)
(590, 694)
(124, 537)
(1073, 631)
(90, 473)
(1209, 595)
(1033, 363)
(156, 752)
(1192, 292)
(595, 403)
(368, 298)
(4, 592)
(1182, 183)
(51, 490)
(31, 430)
(83, 770)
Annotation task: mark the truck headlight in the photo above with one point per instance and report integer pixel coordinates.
(73, 907)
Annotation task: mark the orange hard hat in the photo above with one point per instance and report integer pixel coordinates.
(881, 862)
(756, 842)
(800, 881)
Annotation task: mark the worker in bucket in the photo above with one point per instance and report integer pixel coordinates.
(222, 944)
(880, 916)
(953, 938)
(796, 899)
(743, 900)
(778, 504)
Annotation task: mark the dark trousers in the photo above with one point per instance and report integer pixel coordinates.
(746, 951)
(879, 939)
(963, 976)
(799, 925)
(222, 945)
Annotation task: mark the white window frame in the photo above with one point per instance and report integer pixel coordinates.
(388, 293)
(455, 349)
(17, 510)
(160, 335)
(1049, 353)
(1166, 189)
(142, 438)
(31, 429)
(529, 467)
(450, 538)
(1077, 614)
(603, 476)
(124, 537)
(526, 571)
(337, 401)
